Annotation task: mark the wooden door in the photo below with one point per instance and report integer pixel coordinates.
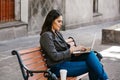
(7, 12)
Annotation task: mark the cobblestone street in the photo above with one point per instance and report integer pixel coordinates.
(9, 68)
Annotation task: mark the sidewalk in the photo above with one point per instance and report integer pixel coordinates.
(9, 68)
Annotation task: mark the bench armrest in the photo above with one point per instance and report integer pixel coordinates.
(47, 73)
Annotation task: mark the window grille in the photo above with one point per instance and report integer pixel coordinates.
(47, 5)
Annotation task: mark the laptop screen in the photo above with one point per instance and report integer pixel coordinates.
(91, 48)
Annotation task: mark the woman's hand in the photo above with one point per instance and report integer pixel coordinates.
(77, 48)
(72, 49)
(81, 48)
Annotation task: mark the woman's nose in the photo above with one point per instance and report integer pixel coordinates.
(61, 24)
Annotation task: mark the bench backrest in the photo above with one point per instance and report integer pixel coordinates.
(32, 59)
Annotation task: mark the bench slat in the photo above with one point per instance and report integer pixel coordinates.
(29, 50)
(31, 55)
(34, 60)
(38, 66)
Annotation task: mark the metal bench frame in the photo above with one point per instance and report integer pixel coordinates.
(44, 73)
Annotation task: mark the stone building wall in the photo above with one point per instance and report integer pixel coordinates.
(77, 12)
(109, 8)
(38, 9)
(80, 12)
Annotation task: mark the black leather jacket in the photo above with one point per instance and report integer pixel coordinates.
(55, 48)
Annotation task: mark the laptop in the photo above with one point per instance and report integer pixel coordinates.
(89, 49)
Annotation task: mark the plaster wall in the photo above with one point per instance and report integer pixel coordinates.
(109, 8)
(78, 11)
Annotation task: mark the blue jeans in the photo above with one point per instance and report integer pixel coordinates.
(82, 64)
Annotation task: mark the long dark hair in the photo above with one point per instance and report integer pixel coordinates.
(51, 16)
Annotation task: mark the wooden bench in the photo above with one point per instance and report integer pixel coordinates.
(33, 65)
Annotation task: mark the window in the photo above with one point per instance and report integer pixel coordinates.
(7, 10)
(95, 6)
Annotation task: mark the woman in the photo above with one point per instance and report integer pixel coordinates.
(59, 54)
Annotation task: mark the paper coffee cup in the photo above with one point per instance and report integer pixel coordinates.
(63, 74)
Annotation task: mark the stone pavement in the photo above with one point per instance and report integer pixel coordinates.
(9, 68)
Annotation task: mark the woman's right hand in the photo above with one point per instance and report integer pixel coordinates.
(72, 49)
(78, 48)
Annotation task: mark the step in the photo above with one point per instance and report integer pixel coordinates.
(12, 30)
(111, 35)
